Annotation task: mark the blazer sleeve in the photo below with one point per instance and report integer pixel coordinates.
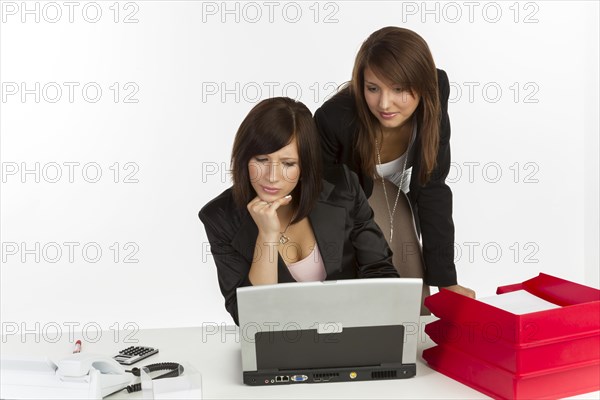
(331, 147)
(337, 124)
(232, 267)
(434, 206)
(372, 252)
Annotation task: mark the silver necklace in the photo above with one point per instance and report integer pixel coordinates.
(392, 211)
(282, 238)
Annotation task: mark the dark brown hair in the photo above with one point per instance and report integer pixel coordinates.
(269, 126)
(398, 56)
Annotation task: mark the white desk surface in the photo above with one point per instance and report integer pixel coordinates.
(217, 357)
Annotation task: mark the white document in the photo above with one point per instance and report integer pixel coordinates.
(518, 302)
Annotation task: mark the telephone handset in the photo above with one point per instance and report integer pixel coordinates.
(78, 376)
(101, 371)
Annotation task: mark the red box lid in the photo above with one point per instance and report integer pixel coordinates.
(579, 312)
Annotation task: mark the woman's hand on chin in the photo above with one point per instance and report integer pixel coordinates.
(265, 216)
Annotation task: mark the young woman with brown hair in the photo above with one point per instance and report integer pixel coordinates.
(280, 221)
(390, 125)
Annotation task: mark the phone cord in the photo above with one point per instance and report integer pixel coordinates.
(173, 368)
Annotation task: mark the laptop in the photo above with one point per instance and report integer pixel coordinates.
(331, 331)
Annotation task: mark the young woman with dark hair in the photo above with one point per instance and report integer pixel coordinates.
(280, 221)
(390, 125)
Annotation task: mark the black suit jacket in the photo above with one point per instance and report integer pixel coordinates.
(350, 242)
(431, 204)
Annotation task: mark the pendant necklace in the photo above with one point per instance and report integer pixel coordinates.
(283, 239)
(391, 211)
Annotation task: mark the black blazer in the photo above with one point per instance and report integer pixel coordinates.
(350, 242)
(431, 204)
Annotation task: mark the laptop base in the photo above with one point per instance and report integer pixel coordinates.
(321, 375)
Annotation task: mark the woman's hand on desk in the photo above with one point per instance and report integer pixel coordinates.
(465, 291)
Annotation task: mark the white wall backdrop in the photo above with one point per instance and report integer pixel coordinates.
(117, 120)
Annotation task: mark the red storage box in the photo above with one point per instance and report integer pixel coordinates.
(516, 358)
(543, 354)
(499, 383)
(579, 312)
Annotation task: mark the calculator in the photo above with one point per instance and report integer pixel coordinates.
(133, 354)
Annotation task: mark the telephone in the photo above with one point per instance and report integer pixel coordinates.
(81, 376)
(101, 372)
(78, 376)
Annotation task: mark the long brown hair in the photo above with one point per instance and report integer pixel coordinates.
(269, 126)
(400, 56)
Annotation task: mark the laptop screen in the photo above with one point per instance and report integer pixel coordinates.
(347, 323)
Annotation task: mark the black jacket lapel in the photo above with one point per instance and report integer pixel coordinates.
(328, 222)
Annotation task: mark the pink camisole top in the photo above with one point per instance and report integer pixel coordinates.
(310, 268)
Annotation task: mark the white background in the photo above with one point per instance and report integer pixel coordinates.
(524, 141)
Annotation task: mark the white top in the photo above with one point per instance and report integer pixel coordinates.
(392, 171)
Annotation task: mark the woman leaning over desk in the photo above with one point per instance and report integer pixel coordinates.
(390, 125)
(280, 221)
